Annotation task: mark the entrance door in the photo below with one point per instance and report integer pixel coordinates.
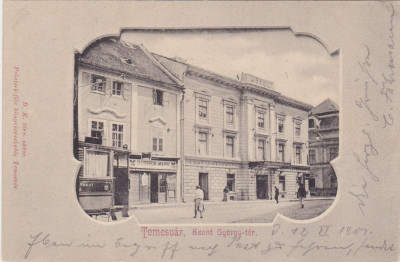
(121, 187)
(262, 187)
(154, 188)
(203, 182)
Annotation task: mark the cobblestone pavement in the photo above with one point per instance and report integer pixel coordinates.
(225, 212)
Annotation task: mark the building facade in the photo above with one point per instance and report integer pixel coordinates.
(323, 131)
(165, 126)
(126, 122)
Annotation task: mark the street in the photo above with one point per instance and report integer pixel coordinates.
(262, 211)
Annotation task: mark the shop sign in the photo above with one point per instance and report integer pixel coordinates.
(152, 164)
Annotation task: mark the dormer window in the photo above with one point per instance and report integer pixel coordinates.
(311, 123)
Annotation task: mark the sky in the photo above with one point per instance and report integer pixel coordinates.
(299, 67)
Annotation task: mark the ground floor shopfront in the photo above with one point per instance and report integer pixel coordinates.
(153, 181)
(246, 181)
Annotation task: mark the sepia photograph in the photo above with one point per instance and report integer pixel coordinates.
(200, 131)
(223, 125)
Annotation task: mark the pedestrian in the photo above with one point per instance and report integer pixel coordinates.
(198, 202)
(301, 193)
(226, 192)
(276, 194)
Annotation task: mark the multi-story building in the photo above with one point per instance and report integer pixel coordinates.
(126, 123)
(323, 124)
(240, 133)
(161, 126)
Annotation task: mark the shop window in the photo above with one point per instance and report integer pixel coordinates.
(117, 89)
(158, 96)
(229, 115)
(333, 181)
(203, 143)
(261, 149)
(97, 130)
(333, 153)
(298, 155)
(261, 120)
(117, 135)
(281, 152)
(98, 84)
(203, 109)
(311, 156)
(230, 182)
(230, 146)
(163, 183)
(281, 126)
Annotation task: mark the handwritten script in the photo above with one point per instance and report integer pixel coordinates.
(377, 84)
(353, 240)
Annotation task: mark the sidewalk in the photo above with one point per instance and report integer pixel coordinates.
(215, 203)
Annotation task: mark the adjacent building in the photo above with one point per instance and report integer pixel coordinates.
(159, 126)
(323, 126)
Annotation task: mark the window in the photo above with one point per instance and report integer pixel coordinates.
(98, 84)
(333, 180)
(311, 156)
(158, 97)
(230, 182)
(261, 149)
(298, 155)
(203, 143)
(281, 152)
(297, 130)
(117, 88)
(229, 115)
(203, 108)
(332, 153)
(97, 129)
(157, 140)
(261, 120)
(163, 183)
(282, 183)
(230, 147)
(280, 126)
(311, 123)
(117, 135)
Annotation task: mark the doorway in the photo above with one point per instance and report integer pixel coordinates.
(121, 187)
(154, 188)
(262, 187)
(203, 182)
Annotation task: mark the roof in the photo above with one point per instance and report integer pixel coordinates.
(175, 67)
(134, 60)
(327, 106)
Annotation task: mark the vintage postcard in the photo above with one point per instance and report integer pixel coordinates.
(202, 131)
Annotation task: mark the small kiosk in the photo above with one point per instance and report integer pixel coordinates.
(102, 183)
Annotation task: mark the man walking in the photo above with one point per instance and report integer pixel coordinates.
(302, 194)
(276, 194)
(198, 201)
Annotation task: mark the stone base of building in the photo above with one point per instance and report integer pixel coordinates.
(245, 182)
